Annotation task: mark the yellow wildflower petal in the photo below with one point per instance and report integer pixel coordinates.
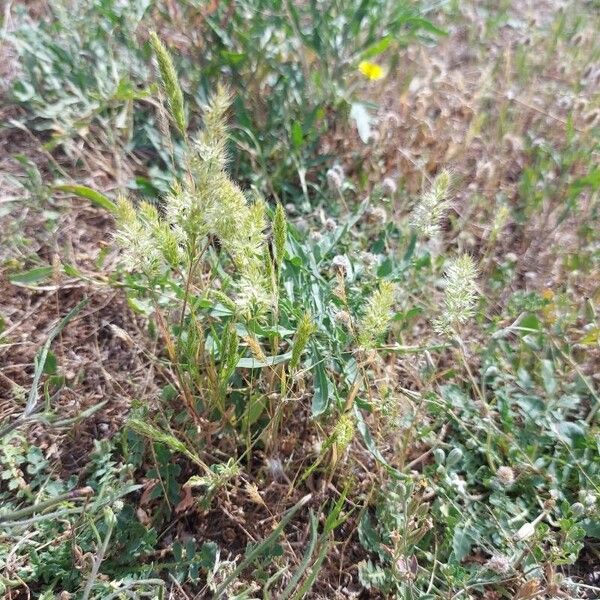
(370, 70)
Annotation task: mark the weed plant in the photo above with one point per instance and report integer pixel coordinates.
(476, 476)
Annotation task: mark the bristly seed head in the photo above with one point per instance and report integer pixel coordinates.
(203, 204)
(134, 235)
(344, 431)
(427, 215)
(377, 316)
(306, 328)
(460, 295)
(279, 235)
(170, 82)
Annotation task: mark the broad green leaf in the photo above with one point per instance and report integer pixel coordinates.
(32, 276)
(89, 194)
(461, 543)
(320, 401)
(256, 408)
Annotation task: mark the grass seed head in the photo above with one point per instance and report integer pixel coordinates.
(305, 330)
(377, 316)
(460, 296)
(427, 215)
(279, 235)
(170, 83)
(344, 431)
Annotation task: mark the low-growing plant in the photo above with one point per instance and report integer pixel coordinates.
(519, 492)
(298, 64)
(81, 73)
(85, 77)
(249, 304)
(59, 539)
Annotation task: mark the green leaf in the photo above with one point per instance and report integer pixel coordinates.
(378, 47)
(591, 527)
(461, 543)
(208, 555)
(23, 91)
(233, 58)
(297, 135)
(254, 363)
(426, 25)
(71, 271)
(320, 401)
(368, 535)
(51, 363)
(530, 322)
(548, 378)
(256, 407)
(31, 276)
(89, 194)
(592, 180)
(569, 432)
(372, 576)
(591, 338)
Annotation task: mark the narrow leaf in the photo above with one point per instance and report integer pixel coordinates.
(93, 196)
(31, 276)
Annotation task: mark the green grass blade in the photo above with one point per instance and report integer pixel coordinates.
(88, 193)
(43, 355)
(305, 559)
(258, 550)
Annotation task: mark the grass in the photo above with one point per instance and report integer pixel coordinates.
(316, 334)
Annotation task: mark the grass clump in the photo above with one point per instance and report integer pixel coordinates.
(361, 399)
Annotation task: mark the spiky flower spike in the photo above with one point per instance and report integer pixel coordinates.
(170, 82)
(377, 317)
(305, 329)
(427, 215)
(135, 235)
(211, 143)
(205, 203)
(225, 210)
(460, 296)
(343, 432)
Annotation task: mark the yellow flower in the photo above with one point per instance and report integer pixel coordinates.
(370, 70)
